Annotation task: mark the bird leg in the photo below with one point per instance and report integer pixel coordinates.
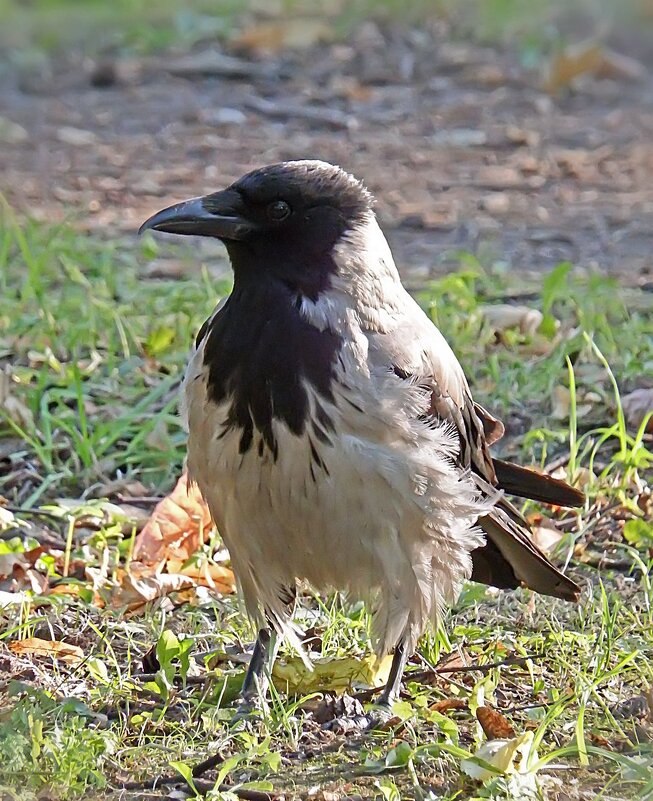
(393, 685)
(381, 711)
(257, 679)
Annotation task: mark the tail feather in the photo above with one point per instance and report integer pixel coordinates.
(511, 558)
(526, 483)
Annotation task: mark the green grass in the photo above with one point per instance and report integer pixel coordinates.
(134, 27)
(97, 350)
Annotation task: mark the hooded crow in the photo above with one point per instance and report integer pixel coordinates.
(332, 430)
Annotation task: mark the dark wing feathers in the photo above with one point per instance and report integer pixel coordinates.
(527, 483)
(494, 429)
(519, 554)
(509, 557)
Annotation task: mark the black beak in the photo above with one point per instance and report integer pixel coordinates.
(219, 215)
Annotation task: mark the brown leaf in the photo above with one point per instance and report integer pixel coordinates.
(177, 526)
(571, 63)
(637, 405)
(449, 703)
(33, 646)
(591, 58)
(271, 37)
(206, 574)
(494, 724)
(456, 659)
(141, 585)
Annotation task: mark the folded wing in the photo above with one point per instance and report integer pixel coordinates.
(510, 557)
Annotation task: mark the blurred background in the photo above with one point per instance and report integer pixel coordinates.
(519, 132)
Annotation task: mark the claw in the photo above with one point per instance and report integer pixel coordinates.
(378, 717)
(247, 714)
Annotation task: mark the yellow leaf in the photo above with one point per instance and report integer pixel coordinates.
(330, 674)
(505, 756)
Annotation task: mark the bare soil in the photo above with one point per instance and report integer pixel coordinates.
(461, 144)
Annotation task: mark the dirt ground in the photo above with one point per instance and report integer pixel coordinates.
(461, 144)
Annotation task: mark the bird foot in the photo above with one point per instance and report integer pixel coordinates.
(379, 717)
(248, 714)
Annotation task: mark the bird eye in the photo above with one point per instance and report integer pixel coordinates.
(278, 210)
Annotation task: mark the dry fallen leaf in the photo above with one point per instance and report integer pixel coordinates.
(33, 646)
(494, 724)
(561, 403)
(12, 406)
(271, 37)
(10, 561)
(503, 755)
(74, 589)
(504, 316)
(177, 526)
(141, 585)
(208, 574)
(449, 703)
(571, 63)
(7, 519)
(330, 674)
(590, 57)
(637, 405)
(546, 537)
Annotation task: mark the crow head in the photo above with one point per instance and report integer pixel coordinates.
(278, 223)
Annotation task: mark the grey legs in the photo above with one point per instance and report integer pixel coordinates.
(393, 685)
(257, 678)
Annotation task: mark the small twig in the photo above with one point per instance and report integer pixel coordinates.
(138, 499)
(208, 764)
(201, 786)
(21, 510)
(421, 675)
(560, 461)
(512, 709)
(509, 661)
(189, 679)
(241, 792)
(603, 562)
(317, 114)
(151, 784)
